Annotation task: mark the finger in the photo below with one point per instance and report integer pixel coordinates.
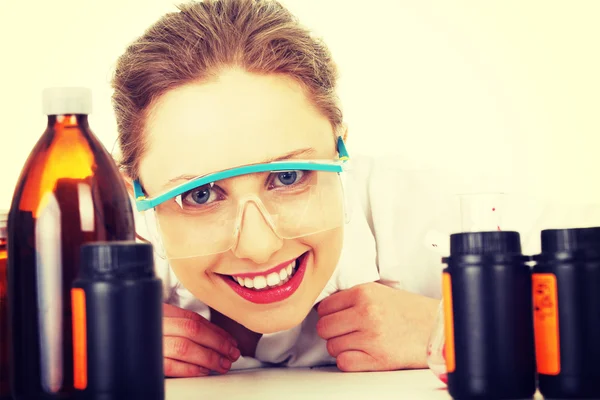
(170, 311)
(200, 333)
(220, 331)
(352, 341)
(182, 349)
(339, 323)
(356, 361)
(336, 302)
(180, 369)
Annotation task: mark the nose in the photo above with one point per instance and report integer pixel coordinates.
(256, 240)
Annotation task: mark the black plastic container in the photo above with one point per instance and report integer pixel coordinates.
(566, 281)
(488, 317)
(117, 324)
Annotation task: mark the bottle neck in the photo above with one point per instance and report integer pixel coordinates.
(66, 121)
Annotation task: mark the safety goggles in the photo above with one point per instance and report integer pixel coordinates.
(205, 215)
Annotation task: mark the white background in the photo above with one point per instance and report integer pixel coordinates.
(505, 90)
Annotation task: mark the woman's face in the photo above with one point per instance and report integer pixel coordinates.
(236, 119)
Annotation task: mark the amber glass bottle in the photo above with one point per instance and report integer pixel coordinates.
(70, 192)
(4, 376)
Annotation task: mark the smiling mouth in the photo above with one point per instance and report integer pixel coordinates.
(270, 286)
(273, 279)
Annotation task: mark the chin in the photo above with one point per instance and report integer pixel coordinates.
(273, 324)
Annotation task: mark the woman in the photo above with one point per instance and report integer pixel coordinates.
(273, 250)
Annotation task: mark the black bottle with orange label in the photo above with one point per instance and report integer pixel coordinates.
(566, 295)
(117, 323)
(488, 317)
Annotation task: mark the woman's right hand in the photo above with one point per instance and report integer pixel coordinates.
(193, 346)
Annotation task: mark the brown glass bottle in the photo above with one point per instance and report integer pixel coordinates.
(69, 193)
(4, 346)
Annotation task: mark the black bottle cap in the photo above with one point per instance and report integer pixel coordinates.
(569, 240)
(485, 243)
(125, 259)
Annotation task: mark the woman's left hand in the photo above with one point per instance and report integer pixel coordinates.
(373, 327)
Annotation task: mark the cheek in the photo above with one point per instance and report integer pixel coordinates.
(192, 274)
(327, 247)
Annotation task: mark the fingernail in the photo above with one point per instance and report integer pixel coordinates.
(234, 353)
(233, 342)
(225, 363)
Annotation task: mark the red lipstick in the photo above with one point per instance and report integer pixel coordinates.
(273, 294)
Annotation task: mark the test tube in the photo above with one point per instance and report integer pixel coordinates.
(481, 212)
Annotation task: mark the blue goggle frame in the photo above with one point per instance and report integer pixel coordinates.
(143, 203)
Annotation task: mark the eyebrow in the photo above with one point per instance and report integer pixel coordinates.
(292, 154)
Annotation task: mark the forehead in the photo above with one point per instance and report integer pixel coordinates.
(236, 119)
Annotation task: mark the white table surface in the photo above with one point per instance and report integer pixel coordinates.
(319, 383)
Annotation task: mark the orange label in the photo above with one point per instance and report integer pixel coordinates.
(79, 339)
(448, 322)
(545, 322)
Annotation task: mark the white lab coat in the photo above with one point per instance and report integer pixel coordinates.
(398, 231)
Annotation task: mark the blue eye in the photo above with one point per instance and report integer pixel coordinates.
(199, 196)
(287, 178)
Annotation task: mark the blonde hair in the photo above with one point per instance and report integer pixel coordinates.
(193, 44)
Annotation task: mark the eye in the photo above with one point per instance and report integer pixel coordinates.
(287, 178)
(199, 196)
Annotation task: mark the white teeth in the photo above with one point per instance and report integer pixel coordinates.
(273, 279)
(283, 281)
(260, 282)
(283, 274)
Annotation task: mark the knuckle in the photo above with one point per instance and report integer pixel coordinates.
(194, 316)
(321, 325)
(331, 348)
(168, 367)
(385, 361)
(362, 313)
(371, 309)
(191, 328)
(321, 307)
(166, 310)
(361, 294)
(376, 336)
(174, 369)
(224, 346)
(214, 360)
(196, 370)
(180, 346)
(366, 312)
